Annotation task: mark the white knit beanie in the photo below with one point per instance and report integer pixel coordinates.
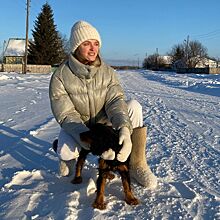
(82, 31)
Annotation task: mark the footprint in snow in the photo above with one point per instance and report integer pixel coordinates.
(33, 102)
(23, 109)
(184, 190)
(20, 87)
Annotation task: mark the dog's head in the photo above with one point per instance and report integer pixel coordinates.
(101, 138)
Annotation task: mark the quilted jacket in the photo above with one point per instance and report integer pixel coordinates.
(81, 95)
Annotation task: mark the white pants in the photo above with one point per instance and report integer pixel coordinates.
(68, 148)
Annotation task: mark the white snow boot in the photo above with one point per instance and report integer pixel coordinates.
(139, 169)
(66, 167)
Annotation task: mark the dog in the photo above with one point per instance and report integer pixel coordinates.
(101, 138)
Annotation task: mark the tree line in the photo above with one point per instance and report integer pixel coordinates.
(187, 54)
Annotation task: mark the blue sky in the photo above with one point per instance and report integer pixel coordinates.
(129, 29)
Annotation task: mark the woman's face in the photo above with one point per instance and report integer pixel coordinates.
(88, 50)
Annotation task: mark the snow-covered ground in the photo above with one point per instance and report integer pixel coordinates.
(182, 113)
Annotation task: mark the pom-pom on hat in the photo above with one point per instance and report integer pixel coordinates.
(82, 31)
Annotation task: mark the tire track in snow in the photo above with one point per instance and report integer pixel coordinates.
(179, 150)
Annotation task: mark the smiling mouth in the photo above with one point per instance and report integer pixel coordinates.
(92, 54)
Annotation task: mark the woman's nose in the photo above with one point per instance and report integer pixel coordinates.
(92, 47)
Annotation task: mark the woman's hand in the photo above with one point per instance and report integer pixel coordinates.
(108, 155)
(125, 140)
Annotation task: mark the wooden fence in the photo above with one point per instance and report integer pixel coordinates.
(18, 68)
(214, 70)
(207, 70)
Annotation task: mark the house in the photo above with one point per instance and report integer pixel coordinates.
(13, 58)
(199, 63)
(206, 62)
(167, 60)
(15, 51)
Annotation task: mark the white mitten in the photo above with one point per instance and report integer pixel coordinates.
(125, 140)
(108, 155)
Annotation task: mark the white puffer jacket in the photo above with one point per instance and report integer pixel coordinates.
(82, 95)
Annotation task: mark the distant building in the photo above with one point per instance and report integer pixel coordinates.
(14, 51)
(13, 58)
(167, 60)
(201, 63)
(205, 62)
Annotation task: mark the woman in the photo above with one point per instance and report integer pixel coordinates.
(83, 91)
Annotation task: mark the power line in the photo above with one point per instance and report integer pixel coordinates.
(208, 35)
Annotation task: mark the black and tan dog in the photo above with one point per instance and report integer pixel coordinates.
(101, 138)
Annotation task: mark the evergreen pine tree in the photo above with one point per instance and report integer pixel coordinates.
(47, 47)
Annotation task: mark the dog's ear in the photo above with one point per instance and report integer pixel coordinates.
(86, 137)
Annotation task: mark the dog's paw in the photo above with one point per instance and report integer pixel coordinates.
(132, 201)
(77, 180)
(98, 205)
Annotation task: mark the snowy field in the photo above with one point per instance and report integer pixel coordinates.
(182, 113)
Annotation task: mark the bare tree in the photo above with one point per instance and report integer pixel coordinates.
(154, 61)
(177, 53)
(196, 53)
(188, 53)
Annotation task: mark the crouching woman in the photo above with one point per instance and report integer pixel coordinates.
(84, 91)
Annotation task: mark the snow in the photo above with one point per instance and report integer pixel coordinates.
(15, 47)
(182, 113)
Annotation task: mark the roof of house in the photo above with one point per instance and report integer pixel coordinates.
(15, 47)
(167, 59)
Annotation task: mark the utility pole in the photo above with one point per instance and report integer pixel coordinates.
(187, 51)
(157, 55)
(26, 38)
(3, 52)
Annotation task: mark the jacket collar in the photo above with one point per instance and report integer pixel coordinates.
(82, 70)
